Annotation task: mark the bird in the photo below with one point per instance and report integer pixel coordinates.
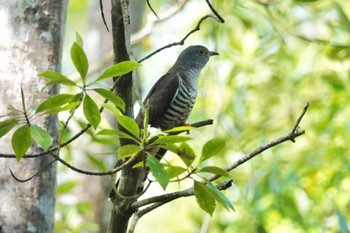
(172, 97)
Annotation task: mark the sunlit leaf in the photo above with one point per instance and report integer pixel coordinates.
(66, 187)
(204, 198)
(91, 111)
(79, 60)
(179, 129)
(128, 151)
(158, 171)
(42, 137)
(7, 125)
(175, 171)
(171, 139)
(99, 163)
(118, 69)
(220, 197)
(129, 124)
(211, 148)
(111, 97)
(186, 153)
(118, 133)
(214, 170)
(79, 40)
(56, 78)
(55, 102)
(20, 141)
(126, 122)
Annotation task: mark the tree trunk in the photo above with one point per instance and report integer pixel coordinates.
(31, 42)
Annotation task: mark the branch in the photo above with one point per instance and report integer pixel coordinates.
(182, 41)
(150, 7)
(289, 137)
(57, 147)
(221, 20)
(151, 21)
(157, 201)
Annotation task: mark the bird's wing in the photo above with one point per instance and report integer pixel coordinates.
(160, 97)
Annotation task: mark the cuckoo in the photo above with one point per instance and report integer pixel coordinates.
(172, 97)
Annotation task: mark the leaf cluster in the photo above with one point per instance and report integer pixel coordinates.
(22, 137)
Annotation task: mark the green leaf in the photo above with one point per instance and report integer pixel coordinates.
(42, 137)
(129, 124)
(186, 153)
(175, 171)
(204, 198)
(118, 133)
(343, 225)
(179, 129)
(7, 125)
(91, 111)
(111, 97)
(214, 170)
(97, 162)
(344, 20)
(55, 102)
(56, 78)
(211, 148)
(79, 40)
(79, 60)
(220, 197)
(112, 108)
(66, 187)
(118, 69)
(20, 141)
(158, 171)
(107, 132)
(128, 151)
(126, 122)
(171, 139)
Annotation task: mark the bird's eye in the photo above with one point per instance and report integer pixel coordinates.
(201, 52)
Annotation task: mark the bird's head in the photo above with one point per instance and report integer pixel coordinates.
(195, 56)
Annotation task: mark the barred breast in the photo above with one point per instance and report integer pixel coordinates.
(180, 107)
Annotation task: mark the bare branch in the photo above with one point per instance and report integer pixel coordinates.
(157, 201)
(33, 176)
(215, 12)
(289, 137)
(137, 37)
(103, 15)
(150, 7)
(182, 41)
(160, 200)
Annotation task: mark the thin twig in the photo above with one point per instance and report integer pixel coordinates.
(151, 21)
(157, 201)
(162, 199)
(150, 7)
(182, 41)
(33, 176)
(103, 15)
(215, 12)
(289, 137)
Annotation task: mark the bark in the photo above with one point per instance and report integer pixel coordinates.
(128, 182)
(31, 42)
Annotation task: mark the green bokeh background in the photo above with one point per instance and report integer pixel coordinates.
(275, 56)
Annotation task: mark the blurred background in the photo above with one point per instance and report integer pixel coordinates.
(275, 56)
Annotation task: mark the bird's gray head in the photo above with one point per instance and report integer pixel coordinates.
(194, 57)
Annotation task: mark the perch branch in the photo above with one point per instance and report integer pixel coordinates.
(157, 201)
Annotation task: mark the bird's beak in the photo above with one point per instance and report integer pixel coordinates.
(213, 53)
